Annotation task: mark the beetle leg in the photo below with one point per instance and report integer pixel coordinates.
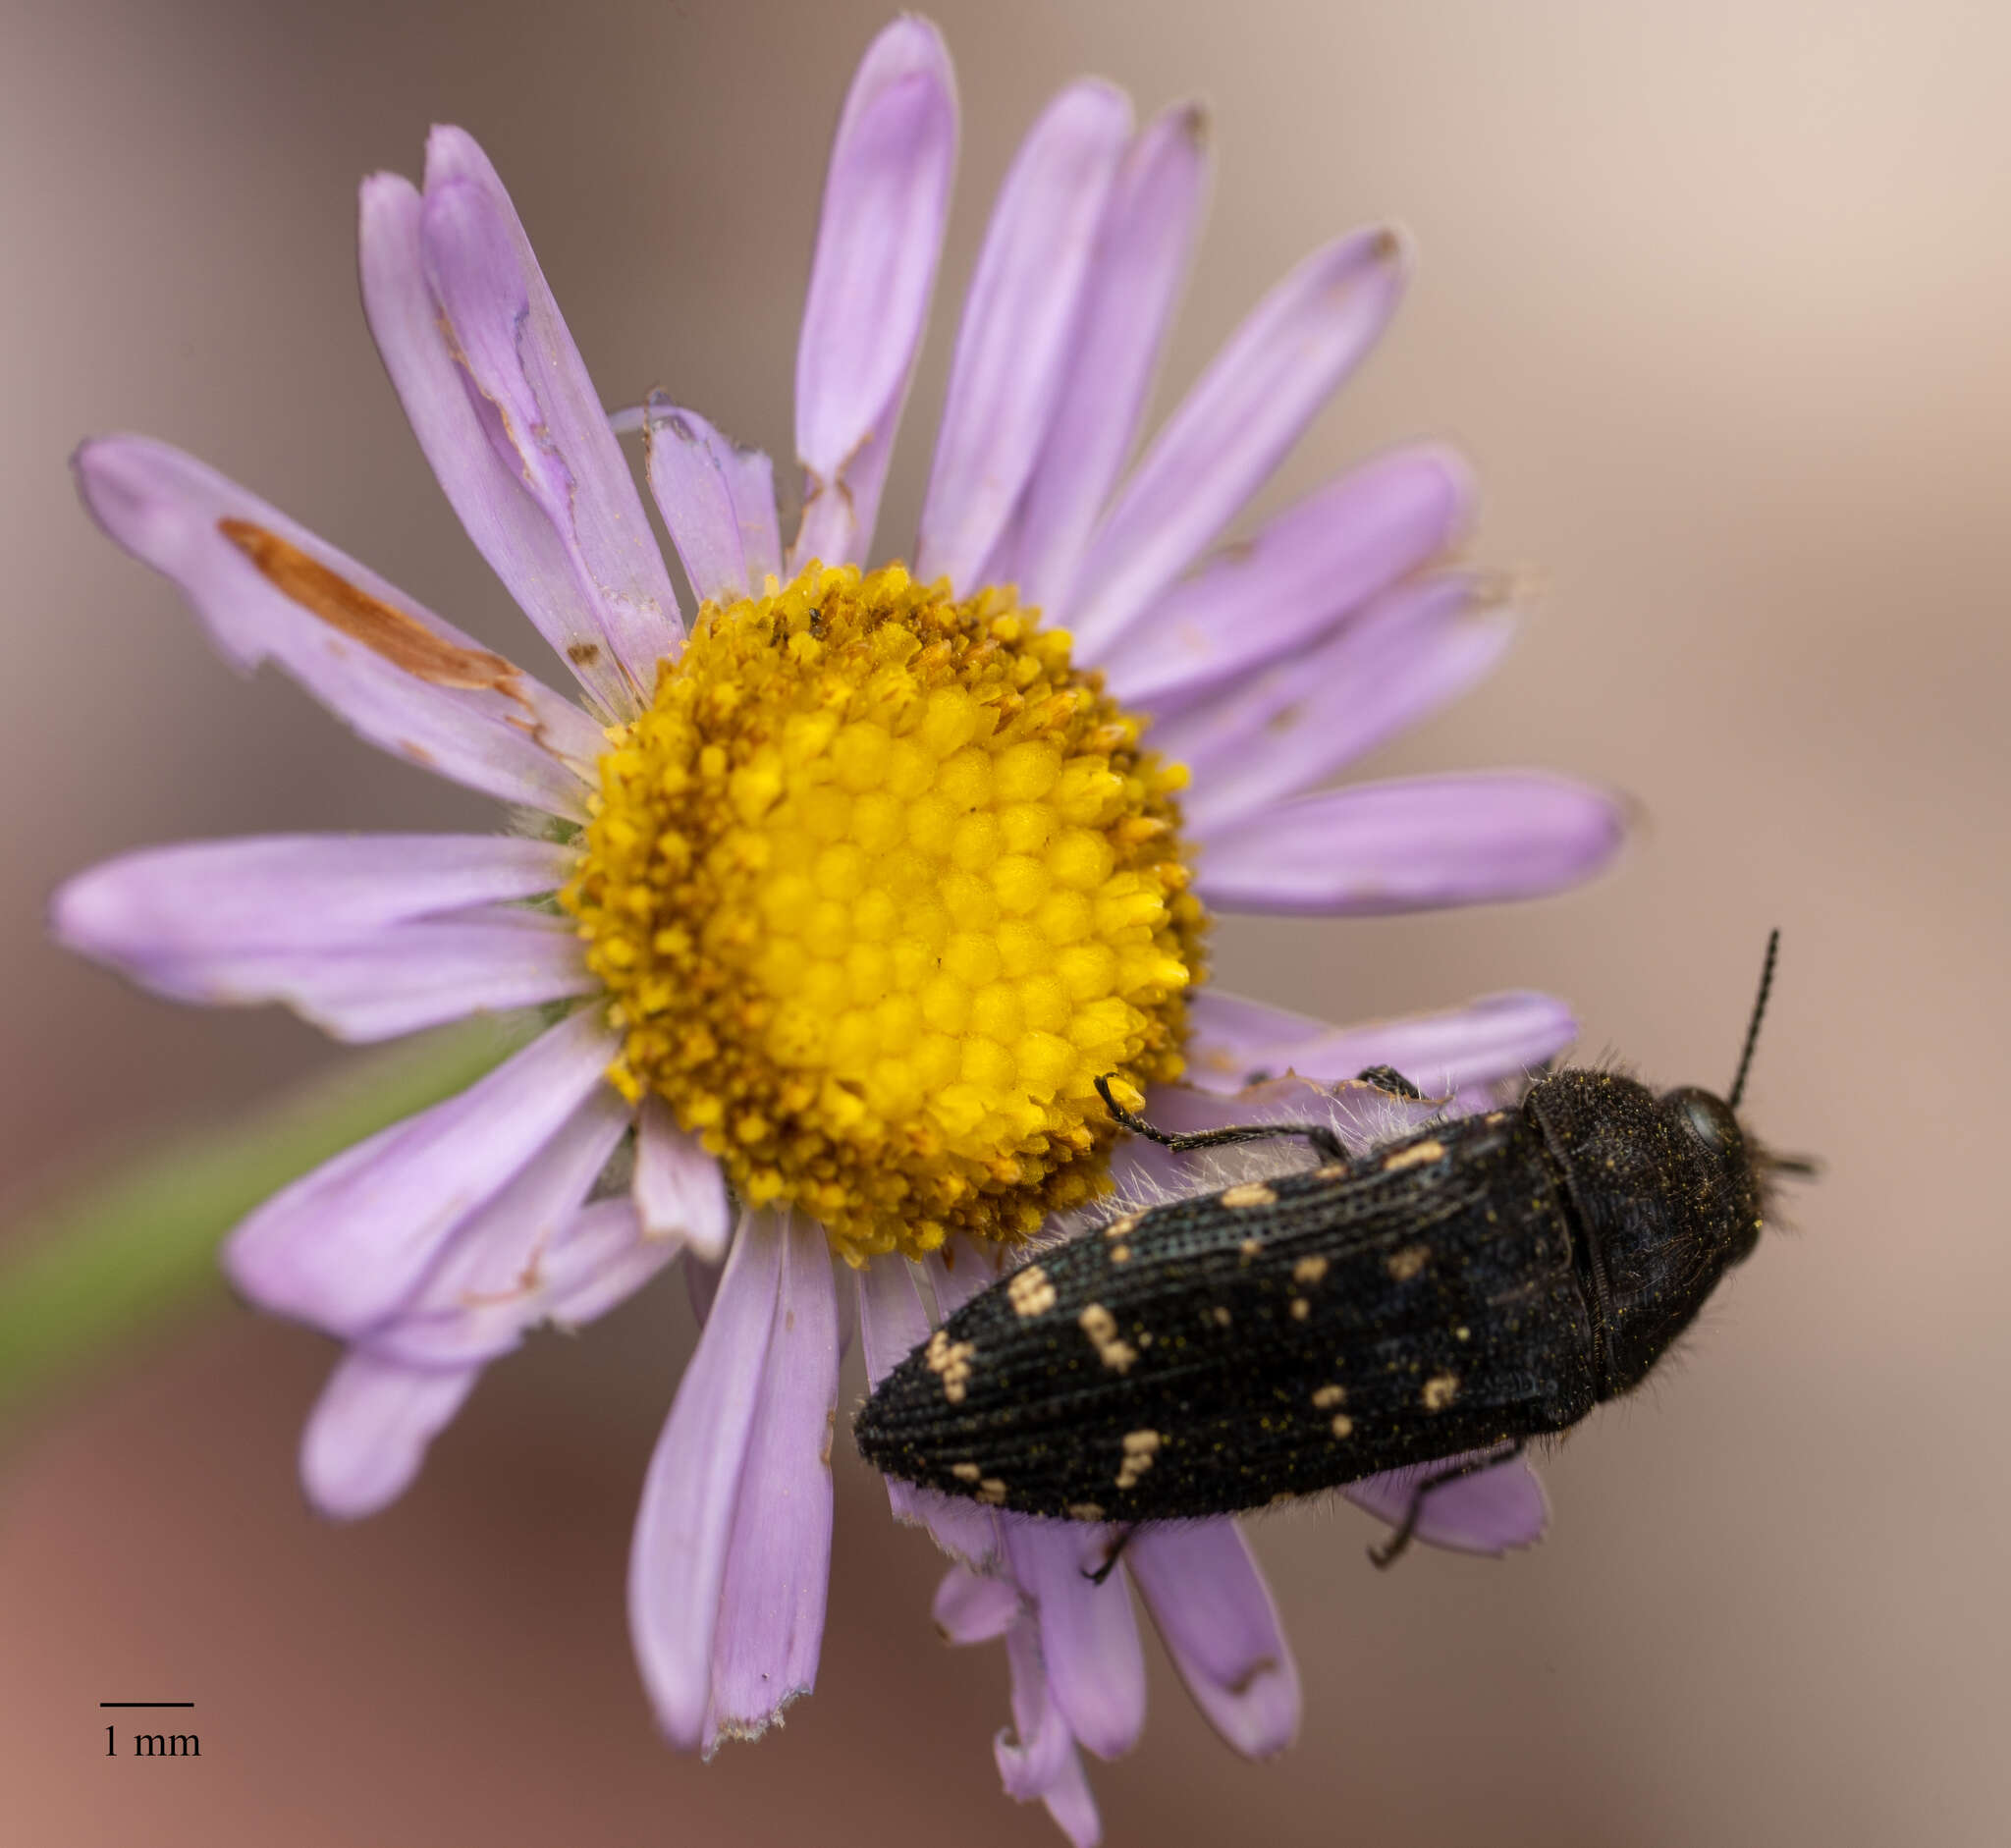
(1392, 1549)
(1389, 1078)
(1322, 1139)
(1114, 1552)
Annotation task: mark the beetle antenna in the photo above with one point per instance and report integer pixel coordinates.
(1752, 1028)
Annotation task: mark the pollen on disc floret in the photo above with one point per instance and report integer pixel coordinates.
(879, 886)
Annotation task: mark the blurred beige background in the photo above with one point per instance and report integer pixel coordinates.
(1714, 294)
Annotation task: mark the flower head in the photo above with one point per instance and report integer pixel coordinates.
(837, 898)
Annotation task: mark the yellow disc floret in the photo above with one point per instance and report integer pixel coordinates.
(879, 886)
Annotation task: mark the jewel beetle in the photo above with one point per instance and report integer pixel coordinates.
(1446, 1296)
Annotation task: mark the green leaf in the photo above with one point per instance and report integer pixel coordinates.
(115, 1263)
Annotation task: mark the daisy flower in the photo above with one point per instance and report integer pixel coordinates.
(833, 900)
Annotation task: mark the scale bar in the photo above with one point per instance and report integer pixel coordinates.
(147, 1703)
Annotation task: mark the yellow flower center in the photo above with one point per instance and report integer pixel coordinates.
(879, 886)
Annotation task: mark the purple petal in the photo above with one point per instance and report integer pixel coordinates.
(1294, 725)
(209, 897)
(751, 476)
(482, 479)
(701, 1284)
(348, 930)
(678, 1561)
(544, 420)
(1415, 844)
(598, 1261)
(1499, 1036)
(886, 196)
(968, 1532)
(698, 479)
(1035, 1759)
(369, 1429)
(893, 1323)
(1234, 428)
(397, 981)
(1487, 1512)
(771, 1620)
(492, 1280)
(344, 1246)
(1089, 1638)
(1071, 1805)
(974, 1607)
(1216, 1615)
(397, 675)
(958, 1270)
(679, 1191)
(1301, 575)
(1019, 324)
(1141, 258)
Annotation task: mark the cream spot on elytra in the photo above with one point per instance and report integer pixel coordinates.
(1030, 1292)
(966, 1472)
(1328, 1396)
(1416, 1156)
(1083, 1511)
(1309, 1269)
(1405, 1263)
(1111, 1349)
(1140, 1448)
(1343, 1426)
(1252, 1193)
(950, 1361)
(991, 1492)
(1441, 1390)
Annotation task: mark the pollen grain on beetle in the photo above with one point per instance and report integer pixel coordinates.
(879, 886)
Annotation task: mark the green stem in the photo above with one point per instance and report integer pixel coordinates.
(115, 1261)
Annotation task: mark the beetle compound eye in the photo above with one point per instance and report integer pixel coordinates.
(1708, 1119)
